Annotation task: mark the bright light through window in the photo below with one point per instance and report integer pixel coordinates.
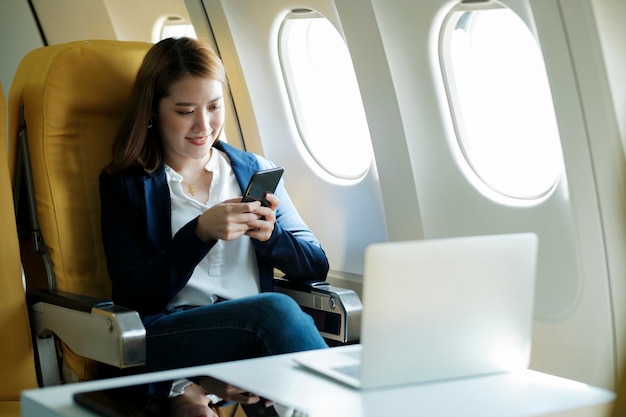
(176, 27)
(501, 102)
(324, 95)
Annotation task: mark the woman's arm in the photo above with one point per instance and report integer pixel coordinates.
(292, 247)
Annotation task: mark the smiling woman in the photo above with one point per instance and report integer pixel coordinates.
(182, 248)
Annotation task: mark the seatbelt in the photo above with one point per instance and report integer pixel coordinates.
(24, 184)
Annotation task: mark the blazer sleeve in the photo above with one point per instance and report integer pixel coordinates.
(146, 265)
(292, 248)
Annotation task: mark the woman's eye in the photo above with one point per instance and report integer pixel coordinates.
(184, 113)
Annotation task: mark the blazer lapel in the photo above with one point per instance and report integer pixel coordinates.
(244, 164)
(158, 209)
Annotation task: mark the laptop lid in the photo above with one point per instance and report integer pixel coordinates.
(445, 308)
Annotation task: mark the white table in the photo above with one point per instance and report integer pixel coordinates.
(526, 393)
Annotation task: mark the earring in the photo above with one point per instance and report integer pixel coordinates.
(150, 123)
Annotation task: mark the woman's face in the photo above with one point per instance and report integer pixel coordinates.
(190, 118)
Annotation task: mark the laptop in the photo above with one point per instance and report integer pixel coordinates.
(439, 309)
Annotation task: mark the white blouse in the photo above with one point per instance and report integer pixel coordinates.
(229, 270)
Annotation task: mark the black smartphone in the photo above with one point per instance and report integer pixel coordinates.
(259, 410)
(261, 183)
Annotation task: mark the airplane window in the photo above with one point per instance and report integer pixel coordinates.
(174, 27)
(501, 102)
(324, 94)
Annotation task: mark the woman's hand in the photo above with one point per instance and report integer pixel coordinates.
(261, 229)
(226, 391)
(191, 404)
(232, 219)
(228, 220)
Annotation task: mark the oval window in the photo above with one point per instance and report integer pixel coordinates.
(324, 95)
(173, 27)
(501, 101)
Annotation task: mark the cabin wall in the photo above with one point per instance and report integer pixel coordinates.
(123, 15)
(18, 35)
(104, 19)
(69, 20)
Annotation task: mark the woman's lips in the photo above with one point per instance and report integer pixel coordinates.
(198, 140)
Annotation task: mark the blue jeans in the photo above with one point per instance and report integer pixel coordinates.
(259, 325)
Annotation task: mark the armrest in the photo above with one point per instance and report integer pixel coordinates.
(67, 299)
(335, 311)
(302, 286)
(94, 328)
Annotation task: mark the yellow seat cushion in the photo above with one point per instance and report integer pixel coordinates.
(10, 409)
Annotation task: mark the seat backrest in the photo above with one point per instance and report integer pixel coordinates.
(73, 96)
(17, 365)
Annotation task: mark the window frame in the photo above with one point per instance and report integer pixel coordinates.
(472, 172)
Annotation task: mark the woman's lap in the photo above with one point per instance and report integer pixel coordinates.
(260, 325)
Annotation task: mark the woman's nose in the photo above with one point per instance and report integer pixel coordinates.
(202, 121)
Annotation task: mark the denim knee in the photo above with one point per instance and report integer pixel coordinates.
(287, 327)
(277, 304)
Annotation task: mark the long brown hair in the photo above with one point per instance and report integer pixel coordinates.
(138, 144)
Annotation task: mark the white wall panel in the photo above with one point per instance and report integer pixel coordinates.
(573, 334)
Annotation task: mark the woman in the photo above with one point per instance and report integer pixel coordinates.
(178, 240)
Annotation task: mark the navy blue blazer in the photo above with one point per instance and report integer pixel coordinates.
(148, 266)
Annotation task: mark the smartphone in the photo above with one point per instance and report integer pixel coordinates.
(261, 183)
(259, 410)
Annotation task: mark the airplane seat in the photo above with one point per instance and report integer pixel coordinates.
(65, 104)
(17, 364)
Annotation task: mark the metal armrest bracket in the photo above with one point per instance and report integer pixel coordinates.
(336, 311)
(92, 328)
